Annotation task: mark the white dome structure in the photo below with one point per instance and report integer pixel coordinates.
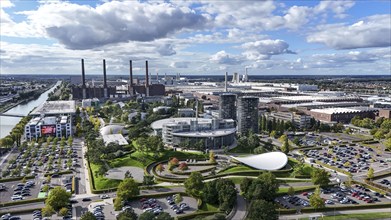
(113, 129)
(266, 161)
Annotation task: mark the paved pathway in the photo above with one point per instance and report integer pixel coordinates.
(119, 173)
(241, 208)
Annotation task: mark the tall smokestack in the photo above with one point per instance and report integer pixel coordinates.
(226, 82)
(83, 78)
(131, 89)
(83, 74)
(105, 93)
(104, 74)
(146, 79)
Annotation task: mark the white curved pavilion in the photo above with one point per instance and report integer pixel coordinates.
(266, 161)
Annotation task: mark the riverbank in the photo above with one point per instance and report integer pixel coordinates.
(9, 106)
(23, 107)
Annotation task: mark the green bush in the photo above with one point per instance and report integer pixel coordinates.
(20, 202)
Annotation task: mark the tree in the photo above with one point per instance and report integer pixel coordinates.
(320, 177)
(245, 185)
(148, 180)
(178, 198)
(264, 187)
(45, 188)
(194, 184)
(296, 141)
(160, 168)
(273, 134)
(212, 158)
(315, 200)
(118, 202)
(349, 182)
(88, 216)
(127, 188)
(147, 216)
(63, 211)
(291, 191)
(127, 215)
(58, 198)
(370, 173)
(164, 216)
(128, 174)
(285, 146)
(262, 210)
(183, 166)
(48, 211)
(387, 143)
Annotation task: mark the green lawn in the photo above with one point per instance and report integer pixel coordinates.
(208, 207)
(363, 216)
(136, 159)
(102, 182)
(237, 169)
(141, 159)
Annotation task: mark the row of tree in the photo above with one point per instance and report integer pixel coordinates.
(219, 192)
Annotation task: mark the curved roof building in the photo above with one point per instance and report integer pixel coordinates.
(266, 161)
(214, 133)
(113, 129)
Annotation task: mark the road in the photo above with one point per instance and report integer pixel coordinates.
(241, 208)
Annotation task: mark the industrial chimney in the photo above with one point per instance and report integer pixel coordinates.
(131, 89)
(83, 79)
(105, 93)
(146, 79)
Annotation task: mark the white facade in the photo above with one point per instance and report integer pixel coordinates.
(60, 126)
(266, 161)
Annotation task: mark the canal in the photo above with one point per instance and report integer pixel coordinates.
(7, 123)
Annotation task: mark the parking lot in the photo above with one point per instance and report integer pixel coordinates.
(38, 160)
(385, 181)
(334, 196)
(153, 204)
(353, 159)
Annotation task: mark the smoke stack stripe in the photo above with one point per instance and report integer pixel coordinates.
(104, 74)
(83, 74)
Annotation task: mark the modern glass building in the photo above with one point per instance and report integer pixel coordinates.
(248, 114)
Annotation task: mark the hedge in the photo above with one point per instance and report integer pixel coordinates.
(337, 208)
(369, 187)
(15, 179)
(383, 188)
(59, 173)
(382, 175)
(196, 214)
(189, 172)
(21, 202)
(333, 168)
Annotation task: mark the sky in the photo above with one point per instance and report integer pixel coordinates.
(201, 37)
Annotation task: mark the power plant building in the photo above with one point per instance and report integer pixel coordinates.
(105, 92)
(248, 114)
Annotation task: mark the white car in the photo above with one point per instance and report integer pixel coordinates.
(16, 197)
(104, 196)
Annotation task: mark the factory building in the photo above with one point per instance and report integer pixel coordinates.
(227, 106)
(248, 114)
(301, 121)
(343, 115)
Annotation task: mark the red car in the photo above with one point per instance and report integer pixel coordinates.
(143, 199)
(304, 193)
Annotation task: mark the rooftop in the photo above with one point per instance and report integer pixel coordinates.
(114, 138)
(340, 110)
(55, 107)
(209, 133)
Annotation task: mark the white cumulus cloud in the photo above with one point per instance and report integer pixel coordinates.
(373, 31)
